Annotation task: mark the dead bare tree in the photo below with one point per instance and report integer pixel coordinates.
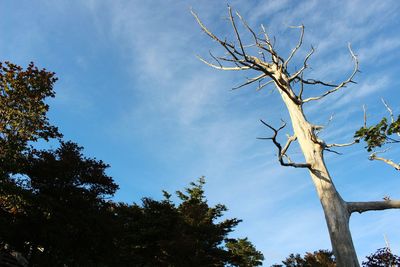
(271, 66)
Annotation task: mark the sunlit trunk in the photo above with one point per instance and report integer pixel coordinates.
(335, 209)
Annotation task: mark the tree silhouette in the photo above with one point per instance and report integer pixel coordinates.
(55, 207)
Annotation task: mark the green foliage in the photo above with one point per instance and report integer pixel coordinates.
(189, 233)
(320, 258)
(379, 134)
(244, 253)
(23, 115)
(23, 118)
(65, 219)
(383, 257)
(64, 213)
(54, 208)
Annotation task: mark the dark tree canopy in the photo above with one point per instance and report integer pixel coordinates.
(55, 207)
(244, 253)
(63, 216)
(383, 257)
(189, 233)
(320, 258)
(23, 118)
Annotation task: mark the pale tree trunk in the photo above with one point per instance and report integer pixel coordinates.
(337, 211)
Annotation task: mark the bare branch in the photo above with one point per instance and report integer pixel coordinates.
(236, 31)
(204, 28)
(395, 165)
(301, 87)
(261, 86)
(342, 84)
(365, 116)
(215, 58)
(300, 71)
(274, 56)
(372, 205)
(333, 151)
(314, 82)
(230, 48)
(250, 81)
(289, 141)
(297, 46)
(282, 151)
(219, 67)
(355, 141)
(389, 110)
(322, 127)
(256, 39)
(245, 61)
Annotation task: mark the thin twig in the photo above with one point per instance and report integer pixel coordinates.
(250, 81)
(342, 84)
(293, 52)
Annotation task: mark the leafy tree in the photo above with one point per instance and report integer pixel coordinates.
(324, 258)
(385, 132)
(383, 257)
(54, 207)
(23, 118)
(261, 57)
(244, 253)
(320, 258)
(160, 233)
(23, 110)
(65, 217)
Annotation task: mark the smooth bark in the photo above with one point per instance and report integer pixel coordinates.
(337, 211)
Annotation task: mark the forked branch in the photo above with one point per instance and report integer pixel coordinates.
(297, 46)
(242, 60)
(282, 151)
(250, 81)
(342, 84)
(299, 73)
(275, 68)
(220, 67)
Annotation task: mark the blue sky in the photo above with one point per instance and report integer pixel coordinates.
(132, 92)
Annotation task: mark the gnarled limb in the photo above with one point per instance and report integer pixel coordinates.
(282, 151)
(361, 207)
(243, 61)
